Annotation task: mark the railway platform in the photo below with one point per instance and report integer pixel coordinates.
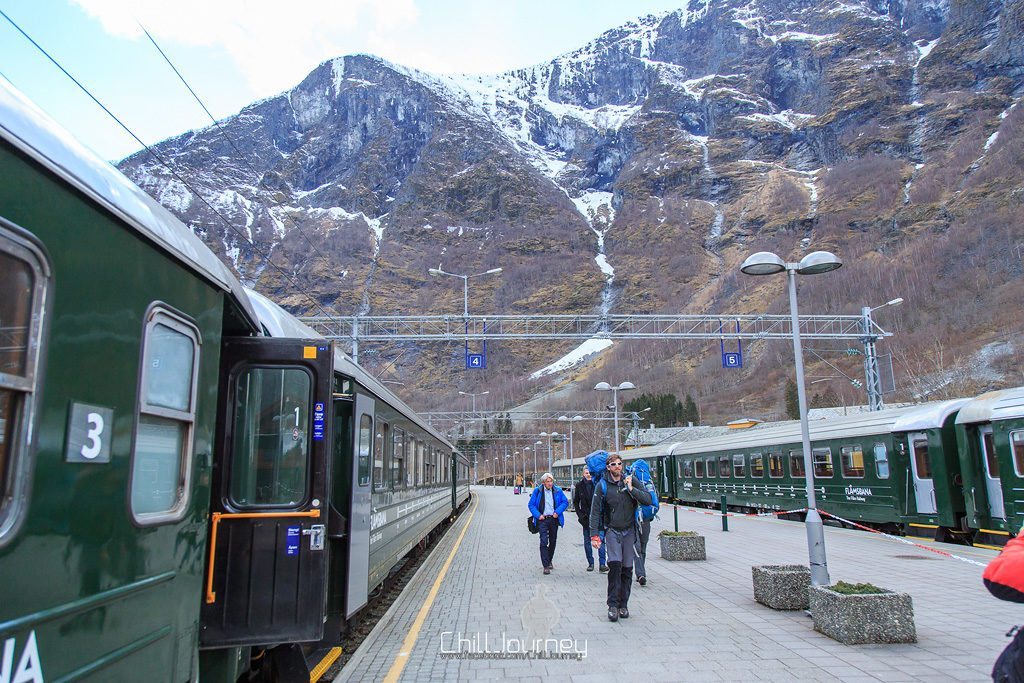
(480, 599)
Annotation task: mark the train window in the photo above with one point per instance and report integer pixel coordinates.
(991, 462)
(881, 460)
(270, 448)
(1017, 446)
(756, 465)
(921, 461)
(775, 467)
(687, 469)
(398, 460)
(24, 278)
(698, 469)
(161, 458)
(365, 443)
(822, 459)
(711, 467)
(853, 461)
(796, 464)
(724, 466)
(739, 465)
(420, 464)
(380, 447)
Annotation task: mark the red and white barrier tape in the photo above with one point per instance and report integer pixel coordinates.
(771, 513)
(904, 540)
(718, 513)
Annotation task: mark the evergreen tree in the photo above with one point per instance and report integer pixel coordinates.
(690, 412)
(792, 401)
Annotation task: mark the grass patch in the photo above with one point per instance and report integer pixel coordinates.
(856, 588)
(678, 533)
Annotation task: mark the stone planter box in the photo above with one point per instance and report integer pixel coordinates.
(676, 548)
(782, 586)
(854, 619)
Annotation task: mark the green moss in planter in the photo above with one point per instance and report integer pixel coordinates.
(856, 588)
(678, 533)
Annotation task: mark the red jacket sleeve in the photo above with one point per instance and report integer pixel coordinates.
(1004, 576)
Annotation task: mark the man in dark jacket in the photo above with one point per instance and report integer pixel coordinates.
(582, 498)
(614, 509)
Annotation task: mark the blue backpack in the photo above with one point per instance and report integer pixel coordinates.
(597, 463)
(642, 473)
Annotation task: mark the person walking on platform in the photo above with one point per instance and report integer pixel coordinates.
(643, 529)
(614, 509)
(582, 497)
(547, 503)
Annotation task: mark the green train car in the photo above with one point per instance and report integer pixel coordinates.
(895, 469)
(189, 480)
(990, 441)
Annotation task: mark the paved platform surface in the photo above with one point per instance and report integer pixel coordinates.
(694, 621)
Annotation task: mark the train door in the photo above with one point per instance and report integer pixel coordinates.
(924, 485)
(993, 485)
(359, 512)
(267, 567)
(663, 476)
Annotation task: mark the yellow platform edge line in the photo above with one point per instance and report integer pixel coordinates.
(990, 547)
(402, 658)
(330, 658)
(995, 531)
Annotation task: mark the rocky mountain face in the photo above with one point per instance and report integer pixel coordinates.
(634, 175)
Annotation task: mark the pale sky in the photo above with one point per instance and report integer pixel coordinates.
(233, 52)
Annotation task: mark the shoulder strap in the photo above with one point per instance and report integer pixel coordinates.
(604, 487)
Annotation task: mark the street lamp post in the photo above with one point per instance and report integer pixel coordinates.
(504, 470)
(767, 263)
(570, 420)
(536, 447)
(549, 437)
(525, 455)
(465, 283)
(871, 376)
(625, 386)
(471, 394)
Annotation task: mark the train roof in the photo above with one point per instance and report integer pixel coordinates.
(280, 323)
(41, 138)
(902, 419)
(995, 405)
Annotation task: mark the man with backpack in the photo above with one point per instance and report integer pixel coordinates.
(582, 497)
(614, 509)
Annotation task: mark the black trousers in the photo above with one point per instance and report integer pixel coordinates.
(548, 538)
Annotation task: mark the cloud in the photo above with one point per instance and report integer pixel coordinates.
(272, 43)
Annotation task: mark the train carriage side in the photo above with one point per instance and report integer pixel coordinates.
(860, 471)
(114, 315)
(460, 477)
(990, 440)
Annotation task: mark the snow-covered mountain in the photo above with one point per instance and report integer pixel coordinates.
(634, 173)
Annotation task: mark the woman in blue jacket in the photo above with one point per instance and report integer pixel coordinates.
(547, 503)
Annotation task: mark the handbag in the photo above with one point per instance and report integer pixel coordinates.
(531, 524)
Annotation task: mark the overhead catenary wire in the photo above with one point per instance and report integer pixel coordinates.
(159, 158)
(241, 157)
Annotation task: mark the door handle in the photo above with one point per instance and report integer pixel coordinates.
(316, 535)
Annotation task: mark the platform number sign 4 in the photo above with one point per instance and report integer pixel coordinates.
(89, 433)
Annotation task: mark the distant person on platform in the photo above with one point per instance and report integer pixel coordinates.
(615, 511)
(582, 498)
(547, 503)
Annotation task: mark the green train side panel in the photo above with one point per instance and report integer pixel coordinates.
(99, 596)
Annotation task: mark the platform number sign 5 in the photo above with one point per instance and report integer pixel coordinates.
(88, 433)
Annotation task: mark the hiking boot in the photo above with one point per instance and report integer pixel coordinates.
(547, 570)
(642, 580)
(604, 569)
(623, 613)
(613, 614)
(590, 568)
